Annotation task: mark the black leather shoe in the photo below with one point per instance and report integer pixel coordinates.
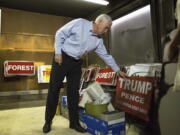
(47, 127)
(78, 128)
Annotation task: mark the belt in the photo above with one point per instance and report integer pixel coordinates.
(69, 56)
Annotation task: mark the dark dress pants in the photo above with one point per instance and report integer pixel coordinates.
(70, 68)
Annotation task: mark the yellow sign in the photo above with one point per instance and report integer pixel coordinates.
(44, 73)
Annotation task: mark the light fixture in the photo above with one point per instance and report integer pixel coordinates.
(101, 2)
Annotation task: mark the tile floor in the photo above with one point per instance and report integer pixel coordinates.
(29, 121)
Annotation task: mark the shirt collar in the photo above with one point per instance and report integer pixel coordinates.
(91, 30)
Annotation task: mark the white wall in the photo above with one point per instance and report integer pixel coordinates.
(131, 38)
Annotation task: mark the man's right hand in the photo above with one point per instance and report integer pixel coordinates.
(122, 74)
(58, 58)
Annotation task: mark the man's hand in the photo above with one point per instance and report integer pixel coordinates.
(122, 74)
(58, 58)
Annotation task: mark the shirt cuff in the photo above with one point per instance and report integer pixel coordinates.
(58, 52)
(116, 69)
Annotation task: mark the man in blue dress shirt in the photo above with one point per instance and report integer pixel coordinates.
(72, 41)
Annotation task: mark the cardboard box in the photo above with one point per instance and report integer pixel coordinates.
(95, 109)
(64, 100)
(58, 109)
(113, 115)
(64, 111)
(97, 126)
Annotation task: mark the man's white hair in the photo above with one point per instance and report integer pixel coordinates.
(103, 17)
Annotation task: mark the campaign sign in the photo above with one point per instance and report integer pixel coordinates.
(44, 73)
(134, 95)
(106, 76)
(25, 68)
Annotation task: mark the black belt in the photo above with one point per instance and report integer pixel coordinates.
(69, 56)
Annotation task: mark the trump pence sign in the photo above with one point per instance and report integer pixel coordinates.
(134, 95)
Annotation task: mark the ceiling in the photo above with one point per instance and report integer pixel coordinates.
(70, 8)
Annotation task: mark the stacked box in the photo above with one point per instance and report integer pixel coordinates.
(58, 109)
(97, 126)
(64, 111)
(64, 107)
(107, 116)
(64, 100)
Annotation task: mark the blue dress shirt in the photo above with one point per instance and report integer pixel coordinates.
(77, 39)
